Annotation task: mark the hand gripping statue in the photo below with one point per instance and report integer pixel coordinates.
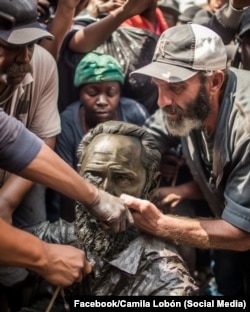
(120, 157)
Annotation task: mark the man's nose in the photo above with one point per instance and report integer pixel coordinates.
(164, 98)
(24, 55)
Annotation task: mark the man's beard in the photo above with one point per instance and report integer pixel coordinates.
(189, 119)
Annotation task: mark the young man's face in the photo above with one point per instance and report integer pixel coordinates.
(15, 61)
(113, 163)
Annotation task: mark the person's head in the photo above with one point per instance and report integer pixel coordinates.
(17, 42)
(170, 11)
(189, 67)
(188, 14)
(244, 39)
(99, 78)
(120, 158)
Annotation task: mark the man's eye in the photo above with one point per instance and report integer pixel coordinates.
(176, 88)
(31, 46)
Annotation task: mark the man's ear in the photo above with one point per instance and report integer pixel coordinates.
(217, 81)
(155, 182)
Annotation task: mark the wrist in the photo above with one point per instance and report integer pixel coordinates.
(93, 197)
(39, 258)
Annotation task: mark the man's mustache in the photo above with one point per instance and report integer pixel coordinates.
(173, 109)
(22, 68)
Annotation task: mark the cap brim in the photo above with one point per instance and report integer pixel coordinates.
(167, 72)
(25, 34)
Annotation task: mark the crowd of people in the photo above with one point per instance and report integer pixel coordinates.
(177, 74)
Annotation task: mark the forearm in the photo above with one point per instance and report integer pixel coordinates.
(49, 169)
(16, 248)
(59, 27)
(202, 233)
(199, 233)
(93, 35)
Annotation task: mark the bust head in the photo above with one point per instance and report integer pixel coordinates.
(120, 157)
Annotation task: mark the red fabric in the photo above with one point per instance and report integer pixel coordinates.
(141, 22)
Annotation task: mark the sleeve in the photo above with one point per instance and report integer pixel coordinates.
(237, 192)
(44, 119)
(18, 146)
(225, 22)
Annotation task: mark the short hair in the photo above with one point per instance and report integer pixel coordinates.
(150, 156)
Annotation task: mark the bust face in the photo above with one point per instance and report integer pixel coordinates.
(113, 163)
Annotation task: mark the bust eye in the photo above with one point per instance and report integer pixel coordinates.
(93, 177)
(122, 180)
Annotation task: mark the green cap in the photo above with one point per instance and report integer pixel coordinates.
(97, 67)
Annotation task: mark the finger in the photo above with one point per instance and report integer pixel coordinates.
(105, 226)
(87, 268)
(131, 202)
(130, 219)
(123, 225)
(80, 277)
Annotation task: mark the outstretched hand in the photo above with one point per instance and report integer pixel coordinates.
(111, 211)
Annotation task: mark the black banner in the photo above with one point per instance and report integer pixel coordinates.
(166, 303)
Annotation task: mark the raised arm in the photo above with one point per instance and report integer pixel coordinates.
(91, 36)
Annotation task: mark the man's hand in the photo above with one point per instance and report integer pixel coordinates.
(107, 6)
(240, 4)
(166, 199)
(111, 211)
(64, 265)
(145, 214)
(137, 7)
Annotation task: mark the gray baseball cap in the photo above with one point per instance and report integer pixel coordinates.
(26, 28)
(184, 50)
